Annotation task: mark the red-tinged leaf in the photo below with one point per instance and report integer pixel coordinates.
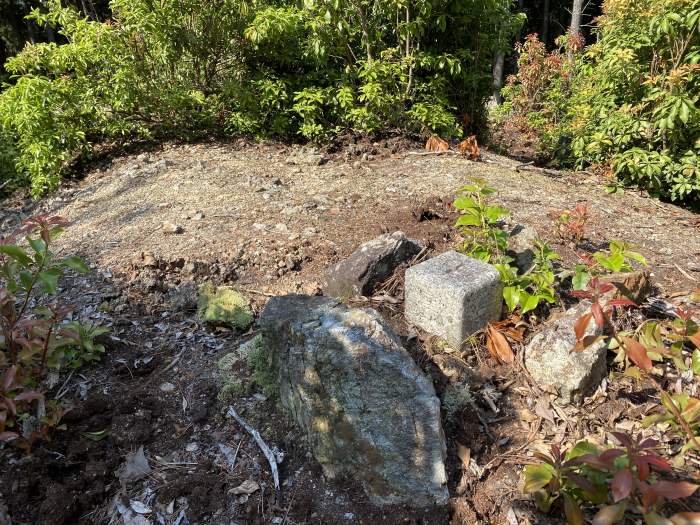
(649, 497)
(595, 462)
(622, 484)
(657, 462)
(673, 489)
(695, 339)
(29, 395)
(610, 514)
(598, 315)
(582, 294)
(581, 324)
(686, 518)
(610, 455)
(643, 469)
(621, 302)
(9, 378)
(581, 482)
(8, 436)
(586, 342)
(648, 443)
(623, 438)
(11, 408)
(574, 515)
(637, 354)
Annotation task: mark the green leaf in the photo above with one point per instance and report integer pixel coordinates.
(38, 245)
(97, 436)
(528, 301)
(75, 263)
(537, 476)
(695, 360)
(16, 253)
(49, 280)
(580, 280)
(511, 295)
(468, 220)
(574, 515)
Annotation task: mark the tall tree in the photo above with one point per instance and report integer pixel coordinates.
(576, 13)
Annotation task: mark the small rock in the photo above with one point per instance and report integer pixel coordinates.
(521, 245)
(306, 156)
(167, 387)
(192, 447)
(247, 487)
(369, 265)
(281, 228)
(308, 232)
(260, 226)
(452, 296)
(134, 468)
(198, 216)
(170, 228)
(552, 364)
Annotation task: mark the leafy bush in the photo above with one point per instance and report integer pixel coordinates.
(481, 226)
(628, 105)
(33, 335)
(183, 68)
(537, 98)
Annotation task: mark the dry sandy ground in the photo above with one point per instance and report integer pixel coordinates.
(247, 204)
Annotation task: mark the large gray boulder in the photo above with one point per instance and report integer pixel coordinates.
(555, 368)
(367, 410)
(369, 265)
(452, 296)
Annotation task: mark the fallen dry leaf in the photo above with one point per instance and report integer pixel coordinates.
(435, 143)
(469, 148)
(498, 345)
(464, 454)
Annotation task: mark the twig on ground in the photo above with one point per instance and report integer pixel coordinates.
(426, 153)
(261, 443)
(684, 272)
(258, 292)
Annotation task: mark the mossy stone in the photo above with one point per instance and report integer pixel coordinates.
(223, 305)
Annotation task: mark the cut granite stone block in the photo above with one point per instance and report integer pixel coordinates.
(453, 296)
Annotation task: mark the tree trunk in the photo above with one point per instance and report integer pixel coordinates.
(576, 12)
(498, 66)
(544, 34)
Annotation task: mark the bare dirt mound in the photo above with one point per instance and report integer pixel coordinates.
(269, 219)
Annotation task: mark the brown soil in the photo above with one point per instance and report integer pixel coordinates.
(250, 218)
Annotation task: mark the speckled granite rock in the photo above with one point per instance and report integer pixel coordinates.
(366, 408)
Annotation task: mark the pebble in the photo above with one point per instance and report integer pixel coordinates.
(167, 387)
(192, 447)
(170, 228)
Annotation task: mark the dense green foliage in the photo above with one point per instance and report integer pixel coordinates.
(628, 103)
(185, 67)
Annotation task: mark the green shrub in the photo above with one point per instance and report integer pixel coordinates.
(183, 68)
(638, 107)
(629, 104)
